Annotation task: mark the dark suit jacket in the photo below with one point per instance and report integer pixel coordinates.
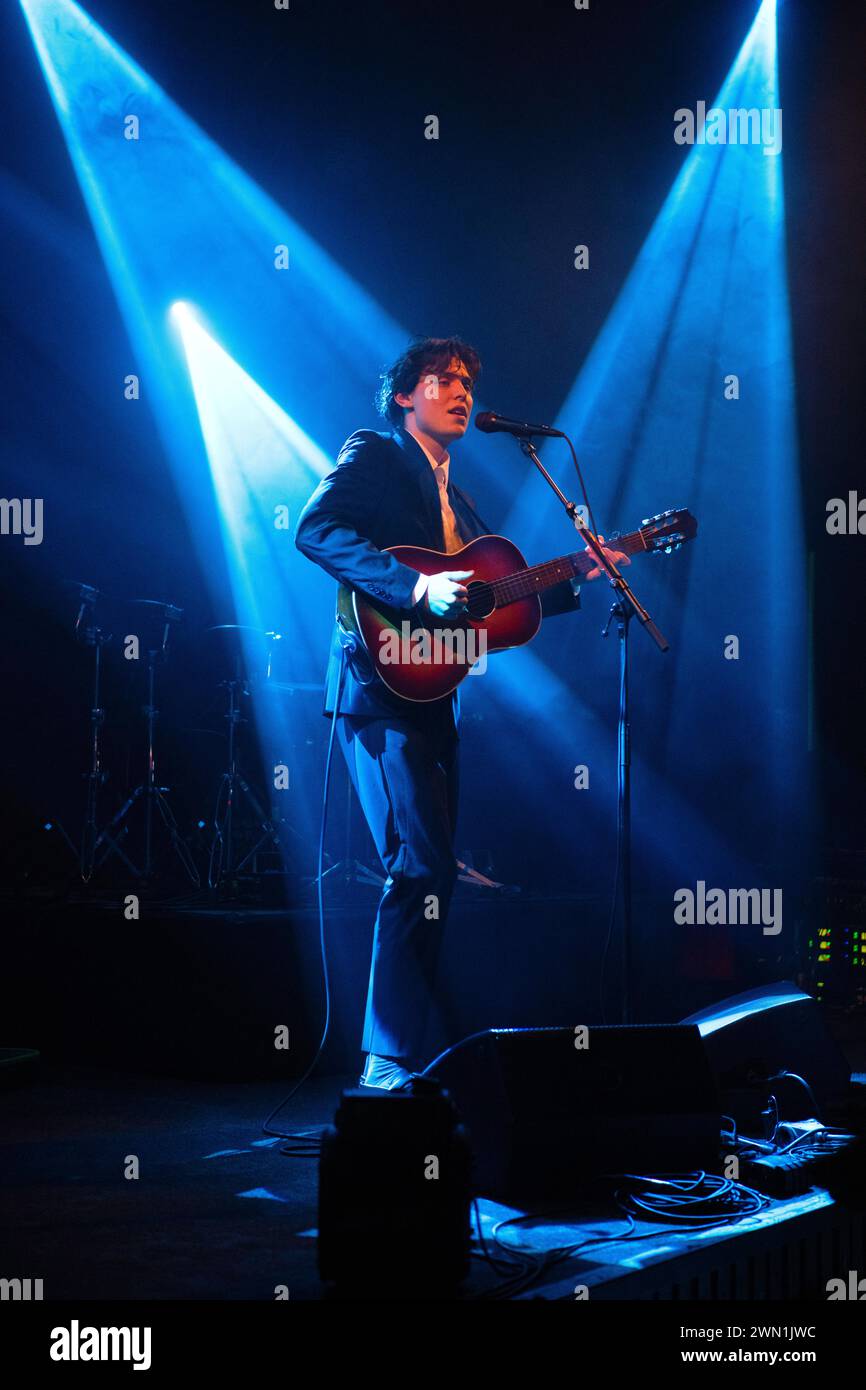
(382, 492)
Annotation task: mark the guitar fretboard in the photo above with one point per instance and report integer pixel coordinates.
(537, 578)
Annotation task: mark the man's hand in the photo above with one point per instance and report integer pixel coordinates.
(616, 556)
(446, 596)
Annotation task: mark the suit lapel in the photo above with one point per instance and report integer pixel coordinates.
(470, 522)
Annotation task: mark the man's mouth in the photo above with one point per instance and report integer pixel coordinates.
(458, 410)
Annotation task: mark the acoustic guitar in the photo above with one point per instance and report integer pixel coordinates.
(421, 657)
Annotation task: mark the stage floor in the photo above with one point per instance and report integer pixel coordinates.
(217, 1212)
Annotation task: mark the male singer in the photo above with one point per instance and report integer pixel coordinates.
(388, 489)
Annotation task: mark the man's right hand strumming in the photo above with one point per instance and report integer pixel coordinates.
(446, 597)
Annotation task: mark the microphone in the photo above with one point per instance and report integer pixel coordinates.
(490, 423)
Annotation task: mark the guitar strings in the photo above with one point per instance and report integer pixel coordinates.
(511, 586)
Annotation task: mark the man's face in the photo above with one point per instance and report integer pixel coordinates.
(441, 402)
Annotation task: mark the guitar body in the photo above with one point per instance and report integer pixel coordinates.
(423, 669)
(421, 657)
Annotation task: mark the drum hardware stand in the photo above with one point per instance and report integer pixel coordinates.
(232, 786)
(93, 636)
(624, 609)
(466, 874)
(352, 870)
(89, 634)
(149, 790)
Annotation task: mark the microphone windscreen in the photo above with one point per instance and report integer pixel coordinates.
(486, 421)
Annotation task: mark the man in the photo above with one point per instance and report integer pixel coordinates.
(393, 489)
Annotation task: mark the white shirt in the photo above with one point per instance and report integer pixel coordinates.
(443, 468)
(434, 463)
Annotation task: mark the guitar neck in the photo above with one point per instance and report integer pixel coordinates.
(537, 578)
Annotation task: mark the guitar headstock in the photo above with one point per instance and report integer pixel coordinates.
(667, 531)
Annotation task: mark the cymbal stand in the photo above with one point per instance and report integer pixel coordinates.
(232, 786)
(153, 795)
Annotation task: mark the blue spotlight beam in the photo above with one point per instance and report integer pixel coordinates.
(705, 300)
(177, 218)
(259, 457)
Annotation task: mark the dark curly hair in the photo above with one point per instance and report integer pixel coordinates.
(423, 355)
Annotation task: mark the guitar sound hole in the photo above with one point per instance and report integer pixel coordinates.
(481, 601)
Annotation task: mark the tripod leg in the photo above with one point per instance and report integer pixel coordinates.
(268, 834)
(178, 845)
(217, 855)
(114, 848)
(105, 835)
(266, 826)
(265, 822)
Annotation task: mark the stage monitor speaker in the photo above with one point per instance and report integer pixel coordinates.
(752, 1037)
(548, 1108)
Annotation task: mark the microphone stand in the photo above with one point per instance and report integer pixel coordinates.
(625, 607)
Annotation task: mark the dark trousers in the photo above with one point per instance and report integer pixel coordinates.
(405, 772)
